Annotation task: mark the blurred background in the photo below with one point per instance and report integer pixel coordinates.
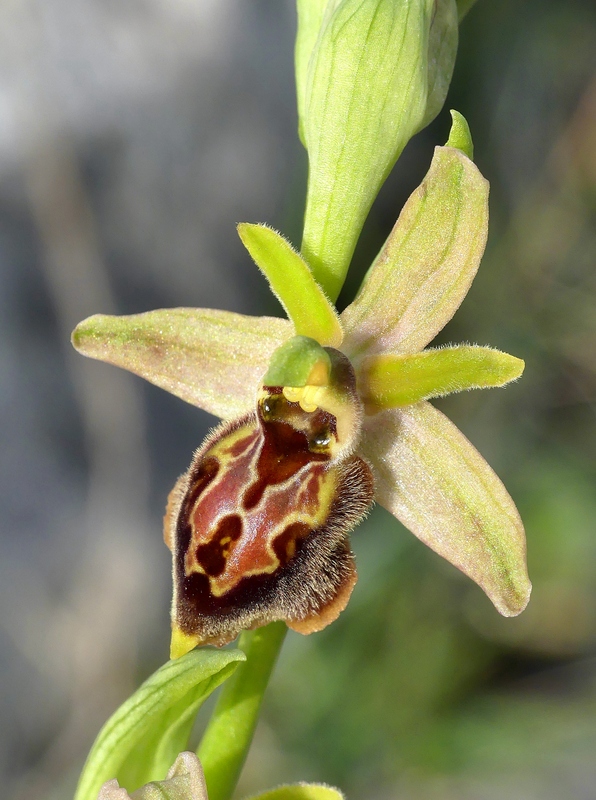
(133, 137)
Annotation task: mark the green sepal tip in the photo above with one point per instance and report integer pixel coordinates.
(459, 135)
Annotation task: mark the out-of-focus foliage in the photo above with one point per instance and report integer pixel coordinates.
(168, 124)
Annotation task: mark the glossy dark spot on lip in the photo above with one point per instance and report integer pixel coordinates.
(212, 555)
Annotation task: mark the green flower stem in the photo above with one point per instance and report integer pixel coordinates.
(225, 744)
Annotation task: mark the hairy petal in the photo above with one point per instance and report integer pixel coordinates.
(212, 359)
(427, 264)
(389, 380)
(438, 485)
(292, 282)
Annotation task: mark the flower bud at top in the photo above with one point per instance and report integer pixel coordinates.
(376, 73)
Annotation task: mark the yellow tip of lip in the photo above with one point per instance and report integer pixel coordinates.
(181, 643)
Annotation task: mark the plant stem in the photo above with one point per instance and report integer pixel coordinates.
(225, 744)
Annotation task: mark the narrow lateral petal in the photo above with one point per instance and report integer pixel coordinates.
(427, 264)
(212, 359)
(292, 282)
(438, 485)
(389, 380)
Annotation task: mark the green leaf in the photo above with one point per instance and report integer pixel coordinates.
(427, 264)
(293, 284)
(459, 135)
(141, 740)
(212, 359)
(377, 72)
(434, 481)
(301, 791)
(389, 380)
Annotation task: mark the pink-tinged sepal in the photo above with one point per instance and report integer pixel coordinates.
(259, 525)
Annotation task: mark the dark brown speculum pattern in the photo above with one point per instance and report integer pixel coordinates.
(258, 525)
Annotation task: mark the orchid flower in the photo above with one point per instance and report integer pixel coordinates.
(424, 471)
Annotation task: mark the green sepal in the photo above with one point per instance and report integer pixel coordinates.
(459, 135)
(301, 791)
(377, 73)
(438, 485)
(293, 284)
(390, 380)
(301, 361)
(143, 737)
(212, 359)
(426, 266)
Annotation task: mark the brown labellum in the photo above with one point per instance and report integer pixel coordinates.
(258, 526)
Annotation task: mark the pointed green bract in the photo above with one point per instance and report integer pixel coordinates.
(301, 791)
(427, 264)
(459, 135)
(212, 359)
(434, 481)
(391, 380)
(141, 740)
(377, 73)
(293, 284)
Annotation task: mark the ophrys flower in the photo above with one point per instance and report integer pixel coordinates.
(424, 470)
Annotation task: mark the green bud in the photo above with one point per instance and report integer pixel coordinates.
(375, 73)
